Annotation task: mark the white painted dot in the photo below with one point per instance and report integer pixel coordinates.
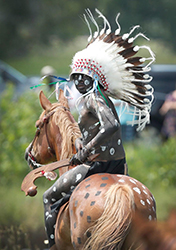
(153, 208)
(101, 109)
(53, 200)
(119, 142)
(45, 201)
(46, 242)
(112, 151)
(78, 177)
(103, 148)
(102, 130)
(52, 236)
(47, 213)
(143, 187)
(137, 190)
(49, 216)
(121, 180)
(148, 201)
(72, 187)
(133, 181)
(145, 192)
(64, 180)
(152, 198)
(54, 189)
(85, 134)
(63, 194)
(93, 151)
(150, 217)
(142, 202)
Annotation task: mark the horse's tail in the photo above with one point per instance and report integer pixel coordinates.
(111, 229)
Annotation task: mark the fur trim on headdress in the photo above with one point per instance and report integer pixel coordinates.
(110, 56)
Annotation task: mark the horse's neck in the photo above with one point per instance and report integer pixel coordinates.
(68, 132)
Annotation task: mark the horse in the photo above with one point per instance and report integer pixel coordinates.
(155, 235)
(52, 144)
(99, 212)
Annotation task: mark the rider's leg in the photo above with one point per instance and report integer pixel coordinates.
(53, 247)
(57, 191)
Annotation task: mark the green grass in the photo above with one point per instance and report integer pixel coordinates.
(21, 220)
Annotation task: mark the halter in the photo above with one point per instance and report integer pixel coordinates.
(42, 123)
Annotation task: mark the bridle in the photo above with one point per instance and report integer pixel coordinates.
(42, 123)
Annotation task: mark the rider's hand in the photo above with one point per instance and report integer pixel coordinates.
(78, 144)
(80, 157)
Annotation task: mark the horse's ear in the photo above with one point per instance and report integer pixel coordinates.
(62, 99)
(45, 103)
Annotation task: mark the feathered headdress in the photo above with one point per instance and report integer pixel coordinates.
(111, 58)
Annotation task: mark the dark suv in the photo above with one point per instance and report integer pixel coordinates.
(164, 82)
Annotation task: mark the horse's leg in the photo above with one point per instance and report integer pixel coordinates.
(62, 230)
(57, 191)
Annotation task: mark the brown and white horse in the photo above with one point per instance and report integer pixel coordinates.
(98, 214)
(155, 235)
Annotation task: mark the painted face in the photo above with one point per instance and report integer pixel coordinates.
(83, 83)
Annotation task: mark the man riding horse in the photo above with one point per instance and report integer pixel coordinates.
(106, 67)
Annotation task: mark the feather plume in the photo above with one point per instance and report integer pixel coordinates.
(114, 59)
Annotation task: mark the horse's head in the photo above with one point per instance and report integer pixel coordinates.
(56, 133)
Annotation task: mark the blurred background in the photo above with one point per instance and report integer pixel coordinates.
(39, 33)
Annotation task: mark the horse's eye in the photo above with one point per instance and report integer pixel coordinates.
(37, 123)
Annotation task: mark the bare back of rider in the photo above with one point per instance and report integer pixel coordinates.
(101, 134)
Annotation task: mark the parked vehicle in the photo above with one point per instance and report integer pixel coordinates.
(164, 82)
(10, 75)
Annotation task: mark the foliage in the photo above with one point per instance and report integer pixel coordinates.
(153, 164)
(17, 120)
(18, 117)
(45, 22)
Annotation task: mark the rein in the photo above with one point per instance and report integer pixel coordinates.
(42, 123)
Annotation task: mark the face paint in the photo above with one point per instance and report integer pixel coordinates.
(83, 83)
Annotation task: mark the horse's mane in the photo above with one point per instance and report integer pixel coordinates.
(69, 129)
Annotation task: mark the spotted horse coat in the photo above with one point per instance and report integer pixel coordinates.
(87, 204)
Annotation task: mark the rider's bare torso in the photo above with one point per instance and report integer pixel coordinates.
(100, 127)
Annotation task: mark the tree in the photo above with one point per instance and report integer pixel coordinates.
(26, 23)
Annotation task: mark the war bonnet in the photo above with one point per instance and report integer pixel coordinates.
(113, 60)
